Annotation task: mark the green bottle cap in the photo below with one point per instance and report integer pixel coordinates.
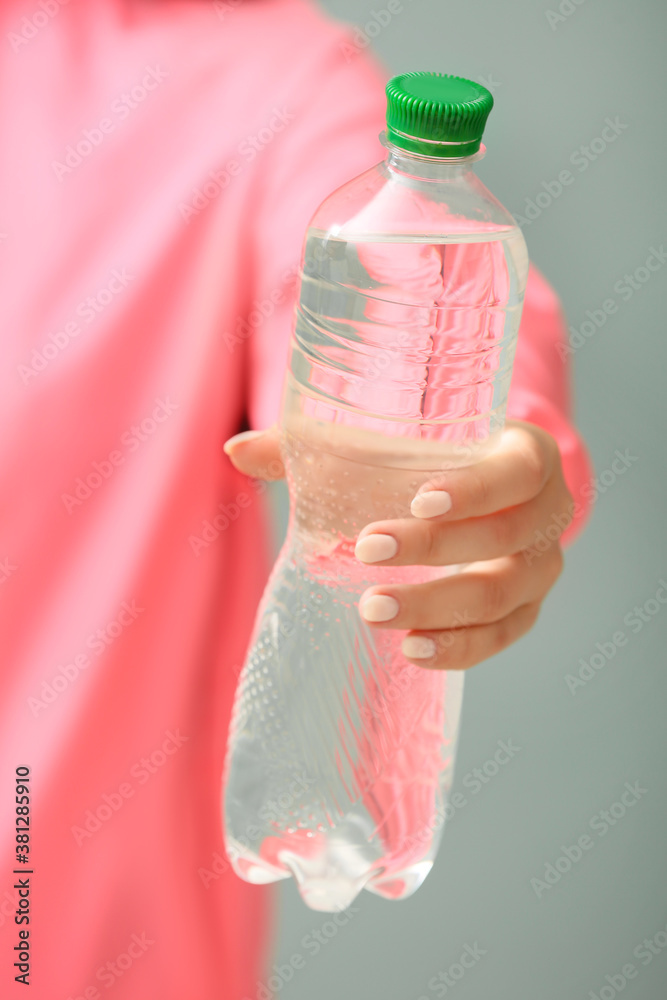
(435, 114)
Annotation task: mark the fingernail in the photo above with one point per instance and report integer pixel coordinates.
(379, 608)
(375, 548)
(431, 503)
(418, 647)
(240, 439)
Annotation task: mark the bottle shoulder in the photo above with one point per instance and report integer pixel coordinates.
(383, 203)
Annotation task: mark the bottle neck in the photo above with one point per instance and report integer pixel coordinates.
(410, 164)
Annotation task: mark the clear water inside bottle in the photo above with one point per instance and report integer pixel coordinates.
(341, 752)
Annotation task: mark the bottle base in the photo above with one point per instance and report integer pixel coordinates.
(330, 879)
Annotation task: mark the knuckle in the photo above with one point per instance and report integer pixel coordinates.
(504, 632)
(530, 525)
(478, 490)
(538, 460)
(509, 629)
(431, 541)
(459, 653)
(504, 532)
(493, 597)
(443, 650)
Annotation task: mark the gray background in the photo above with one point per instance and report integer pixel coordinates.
(554, 87)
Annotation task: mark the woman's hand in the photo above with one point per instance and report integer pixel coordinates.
(486, 516)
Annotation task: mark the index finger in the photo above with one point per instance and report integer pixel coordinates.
(514, 473)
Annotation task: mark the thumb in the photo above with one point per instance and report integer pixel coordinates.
(256, 453)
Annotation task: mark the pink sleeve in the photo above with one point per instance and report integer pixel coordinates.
(332, 137)
(540, 391)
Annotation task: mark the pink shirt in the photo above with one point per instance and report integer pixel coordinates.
(160, 163)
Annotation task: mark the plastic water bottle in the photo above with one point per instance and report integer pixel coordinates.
(341, 752)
